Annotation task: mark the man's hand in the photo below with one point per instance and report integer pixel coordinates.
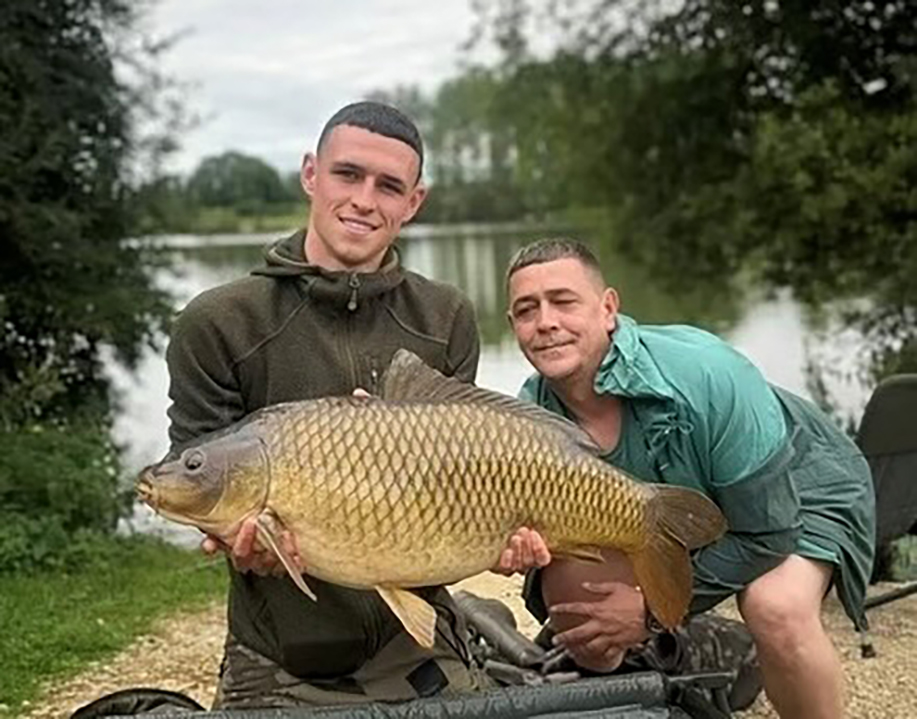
(608, 626)
(249, 555)
(526, 550)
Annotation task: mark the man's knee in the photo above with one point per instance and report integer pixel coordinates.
(783, 607)
(775, 617)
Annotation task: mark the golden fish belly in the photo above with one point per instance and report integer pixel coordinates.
(415, 495)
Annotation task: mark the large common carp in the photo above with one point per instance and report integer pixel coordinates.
(424, 486)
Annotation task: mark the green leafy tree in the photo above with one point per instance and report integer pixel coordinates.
(468, 146)
(69, 281)
(233, 179)
(769, 137)
(163, 205)
(70, 284)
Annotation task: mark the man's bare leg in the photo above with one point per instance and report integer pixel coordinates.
(803, 676)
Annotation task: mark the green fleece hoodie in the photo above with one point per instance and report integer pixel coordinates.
(294, 331)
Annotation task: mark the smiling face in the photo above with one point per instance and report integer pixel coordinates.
(562, 315)
(364, 187)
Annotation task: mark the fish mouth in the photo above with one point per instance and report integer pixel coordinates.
(145, 491)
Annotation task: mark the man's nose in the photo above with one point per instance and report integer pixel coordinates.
(547, 318)
(364, 196)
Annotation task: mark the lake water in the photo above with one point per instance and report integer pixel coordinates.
(770, 330)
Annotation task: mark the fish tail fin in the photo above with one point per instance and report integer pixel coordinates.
(688, 515)
(680, 520)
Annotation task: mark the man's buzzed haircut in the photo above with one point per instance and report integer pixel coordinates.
(549, 250)
(379, 118)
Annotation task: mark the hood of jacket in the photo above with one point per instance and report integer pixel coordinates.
(286, 258)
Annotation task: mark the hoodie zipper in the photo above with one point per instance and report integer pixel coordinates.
(354, 284)
(373, 376)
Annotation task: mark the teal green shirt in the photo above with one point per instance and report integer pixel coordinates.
(707, 416)
(699, 414)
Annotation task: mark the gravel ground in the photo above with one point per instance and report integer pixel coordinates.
(183, 653)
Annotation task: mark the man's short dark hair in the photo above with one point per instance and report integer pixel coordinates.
(549, 250)
(379, 118)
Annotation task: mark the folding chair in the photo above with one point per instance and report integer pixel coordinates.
(888, 439)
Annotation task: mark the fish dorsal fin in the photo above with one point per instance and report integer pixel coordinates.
(409, 379)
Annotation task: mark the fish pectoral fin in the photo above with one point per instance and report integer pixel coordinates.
(585, 553)
(415, 613)
(269, 529)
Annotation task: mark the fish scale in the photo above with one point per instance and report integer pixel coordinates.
(425, 486)
(489, 474)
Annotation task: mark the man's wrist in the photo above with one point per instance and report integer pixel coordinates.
(653, 625)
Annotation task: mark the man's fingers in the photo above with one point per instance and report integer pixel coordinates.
(526, 551)
(507, 566)
(598, 646)
(211, 545)
(245, 539)
(516, 548)
(578, 635)
(579, 609)
(542, 553)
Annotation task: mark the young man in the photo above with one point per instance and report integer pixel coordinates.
(674, 404)
(324, 316)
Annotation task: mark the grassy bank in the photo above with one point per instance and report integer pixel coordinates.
(54, 624)
(212, 220)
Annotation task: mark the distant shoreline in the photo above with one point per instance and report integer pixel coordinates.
(193, 238)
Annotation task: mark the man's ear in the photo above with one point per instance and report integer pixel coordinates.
(308, 173)
(415, 200)
(610, 306)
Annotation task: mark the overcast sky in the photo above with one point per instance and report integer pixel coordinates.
(266, 75)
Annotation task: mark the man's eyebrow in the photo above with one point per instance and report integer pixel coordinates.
(344, 165)
(525, 299)
(396, 181)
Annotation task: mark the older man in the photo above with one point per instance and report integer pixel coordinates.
(674, 404)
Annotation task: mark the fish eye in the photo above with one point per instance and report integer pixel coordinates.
(194, 461)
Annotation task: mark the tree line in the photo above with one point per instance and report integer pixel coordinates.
(228, 192)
